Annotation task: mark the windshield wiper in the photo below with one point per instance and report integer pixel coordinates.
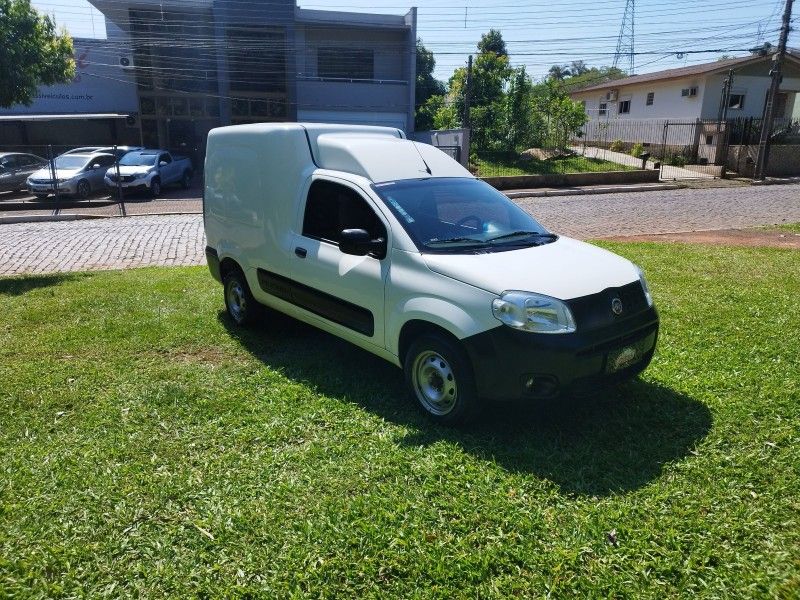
(540, 234)
(456, 240)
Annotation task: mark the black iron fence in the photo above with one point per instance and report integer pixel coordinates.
(52, 177)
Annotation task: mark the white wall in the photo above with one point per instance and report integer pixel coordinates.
(667, 103)
(100, 85)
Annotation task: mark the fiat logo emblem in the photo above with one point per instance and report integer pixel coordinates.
(616, 306)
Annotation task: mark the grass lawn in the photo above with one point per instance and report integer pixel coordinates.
(148, 449)
(503, 165)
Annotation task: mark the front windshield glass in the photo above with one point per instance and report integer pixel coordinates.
(460, 215)
(137, 159)
(70, 162)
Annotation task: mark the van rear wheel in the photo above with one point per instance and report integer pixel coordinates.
(239, 302)
(440, 378)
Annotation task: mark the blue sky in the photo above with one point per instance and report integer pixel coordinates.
(540, 33)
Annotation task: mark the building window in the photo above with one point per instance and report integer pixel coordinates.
(736, 101)
(651, 96)
(345, 63)
(624, 107)
(603, 109)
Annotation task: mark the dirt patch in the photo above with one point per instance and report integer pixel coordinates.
(772, 238)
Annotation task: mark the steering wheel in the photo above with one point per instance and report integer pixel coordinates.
(476, 219)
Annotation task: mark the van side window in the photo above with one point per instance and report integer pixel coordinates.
(332, 207)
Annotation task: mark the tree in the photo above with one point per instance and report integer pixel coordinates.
(559, 72)
(32, 53)
(519, 115)
(563, 116)
(592, 76)
(578, 67)
(492, 43)
(427, 86)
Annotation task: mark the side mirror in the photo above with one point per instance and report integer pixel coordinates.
(163, 163)
(359, 243)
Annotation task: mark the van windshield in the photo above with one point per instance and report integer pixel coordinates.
(458, 215)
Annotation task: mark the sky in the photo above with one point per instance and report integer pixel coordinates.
(540, 33)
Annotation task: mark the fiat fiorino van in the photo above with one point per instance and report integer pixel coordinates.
(392, 245)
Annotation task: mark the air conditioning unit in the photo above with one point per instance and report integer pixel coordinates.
(612, 95)
(126, 61)
(689, 92)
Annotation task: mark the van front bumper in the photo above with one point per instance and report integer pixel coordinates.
(515, 365)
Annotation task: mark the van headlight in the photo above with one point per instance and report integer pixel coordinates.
(534, 313)
(645, 287)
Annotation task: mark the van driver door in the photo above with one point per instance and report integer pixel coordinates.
(346, 292)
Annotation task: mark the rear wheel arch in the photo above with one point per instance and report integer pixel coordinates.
(228, 265)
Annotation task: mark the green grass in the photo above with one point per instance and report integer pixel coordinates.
(793, 227)
(505, 165)
(148, 449)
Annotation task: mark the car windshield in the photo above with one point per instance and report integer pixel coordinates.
(67, 161)
(137, 159)
(457, 215)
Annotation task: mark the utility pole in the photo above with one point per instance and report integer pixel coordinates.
(467, 91)
(769, 107)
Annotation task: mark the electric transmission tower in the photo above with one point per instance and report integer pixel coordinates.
(624, 56)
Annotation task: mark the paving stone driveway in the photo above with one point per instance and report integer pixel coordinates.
(178, 240)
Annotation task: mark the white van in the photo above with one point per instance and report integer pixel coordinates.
(392, 245)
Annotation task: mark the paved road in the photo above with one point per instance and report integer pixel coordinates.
(178, 240)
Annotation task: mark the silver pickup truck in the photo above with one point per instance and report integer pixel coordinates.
(150, 170)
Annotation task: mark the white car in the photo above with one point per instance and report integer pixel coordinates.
(150, 170)
(77, 175)
(394, 246)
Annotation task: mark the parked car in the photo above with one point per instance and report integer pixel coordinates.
(150, 170)
(118, 151)
(15, 167)
(392, 245)
(77, 175)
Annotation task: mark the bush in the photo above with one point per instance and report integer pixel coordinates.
(617, 146)
(678, 160)
(637, 149)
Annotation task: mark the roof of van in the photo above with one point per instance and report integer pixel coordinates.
(379, 154)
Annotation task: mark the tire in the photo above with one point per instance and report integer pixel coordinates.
(439, 377)
(155, 187)
(186, 180)
(84, 189)
(242, 308)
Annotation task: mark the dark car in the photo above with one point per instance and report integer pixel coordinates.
(15, 167)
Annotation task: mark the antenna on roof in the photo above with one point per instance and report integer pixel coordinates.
(625, 40)
(427, 168)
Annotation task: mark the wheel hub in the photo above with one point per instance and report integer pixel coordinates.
(434, 383)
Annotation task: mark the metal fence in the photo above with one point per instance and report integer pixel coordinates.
(52, 177)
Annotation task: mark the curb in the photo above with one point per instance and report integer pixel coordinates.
(591, 190)
(8, 220)
(776, 180)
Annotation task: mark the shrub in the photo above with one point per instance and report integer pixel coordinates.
(678, 160)
(617, 146)
(637, 149)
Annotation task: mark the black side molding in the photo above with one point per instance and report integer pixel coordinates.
(212, 258)
(318, 302)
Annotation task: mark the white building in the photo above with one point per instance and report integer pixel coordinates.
(691, 93)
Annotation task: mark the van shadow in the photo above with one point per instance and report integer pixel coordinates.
(614, 443)
(21, 284)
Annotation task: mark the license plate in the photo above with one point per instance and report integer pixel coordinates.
(624, 357)
(628, 355)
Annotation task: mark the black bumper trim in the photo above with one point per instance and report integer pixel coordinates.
(505, 359)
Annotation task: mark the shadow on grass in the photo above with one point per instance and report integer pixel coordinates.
(18, 285)
(614, 443)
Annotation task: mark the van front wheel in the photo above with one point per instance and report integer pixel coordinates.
(239, 302)
(439, 376)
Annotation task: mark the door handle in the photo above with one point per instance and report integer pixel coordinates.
(301, 252)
